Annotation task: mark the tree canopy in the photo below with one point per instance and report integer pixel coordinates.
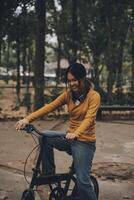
(98, 32)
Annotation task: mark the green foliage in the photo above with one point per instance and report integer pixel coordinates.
(99, 32)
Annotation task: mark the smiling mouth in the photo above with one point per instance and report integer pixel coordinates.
(74, 88)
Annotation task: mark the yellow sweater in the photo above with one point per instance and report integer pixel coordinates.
(82, 116)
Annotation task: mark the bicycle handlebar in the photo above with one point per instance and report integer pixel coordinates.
(29, 128)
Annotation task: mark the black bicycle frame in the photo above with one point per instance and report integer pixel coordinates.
(49, 179)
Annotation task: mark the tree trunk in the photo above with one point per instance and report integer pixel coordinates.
(110, 83)
(119, 70)
(132, 80)
(18, 62)
(0, 48)
(58, 72)
(40, 6)
(74, 31)
(7, 58)
(24, 42)
(24, 61)
(58, 61)
(28, 94)
(96, 72)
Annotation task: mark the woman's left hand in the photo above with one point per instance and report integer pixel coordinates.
(71, 136)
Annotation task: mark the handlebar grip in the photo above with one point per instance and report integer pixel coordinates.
(28, 128)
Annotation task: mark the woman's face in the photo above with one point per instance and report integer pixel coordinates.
(73, 83)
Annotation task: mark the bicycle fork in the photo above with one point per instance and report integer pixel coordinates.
(28, 194)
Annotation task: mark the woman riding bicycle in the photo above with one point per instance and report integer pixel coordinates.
(82, 102)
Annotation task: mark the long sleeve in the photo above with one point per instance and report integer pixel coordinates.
(58, 102)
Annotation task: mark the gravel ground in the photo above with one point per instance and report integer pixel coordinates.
(113, 163)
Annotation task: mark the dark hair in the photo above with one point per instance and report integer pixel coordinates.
(77, 70)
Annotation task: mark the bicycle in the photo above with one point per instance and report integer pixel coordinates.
(62, 186)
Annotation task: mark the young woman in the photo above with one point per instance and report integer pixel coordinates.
(82, 102)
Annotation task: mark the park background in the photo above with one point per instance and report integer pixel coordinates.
(38, 40)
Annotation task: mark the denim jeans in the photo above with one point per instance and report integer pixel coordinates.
(82, 153)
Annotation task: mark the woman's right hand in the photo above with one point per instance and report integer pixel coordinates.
(21, 124)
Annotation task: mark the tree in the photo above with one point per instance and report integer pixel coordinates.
(116, 23)
(7, 9)
(74, 31)
(93, 37)
(40, 6)
(132, 44)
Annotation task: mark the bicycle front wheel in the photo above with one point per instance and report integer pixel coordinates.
(28, 195)
(95, 185)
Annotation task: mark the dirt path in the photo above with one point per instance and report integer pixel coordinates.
(113, 163)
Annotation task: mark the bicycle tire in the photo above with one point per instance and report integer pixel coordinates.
(74, 192)
(95, 185)
(28, 195)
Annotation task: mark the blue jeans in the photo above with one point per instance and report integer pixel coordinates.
(82, 153)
